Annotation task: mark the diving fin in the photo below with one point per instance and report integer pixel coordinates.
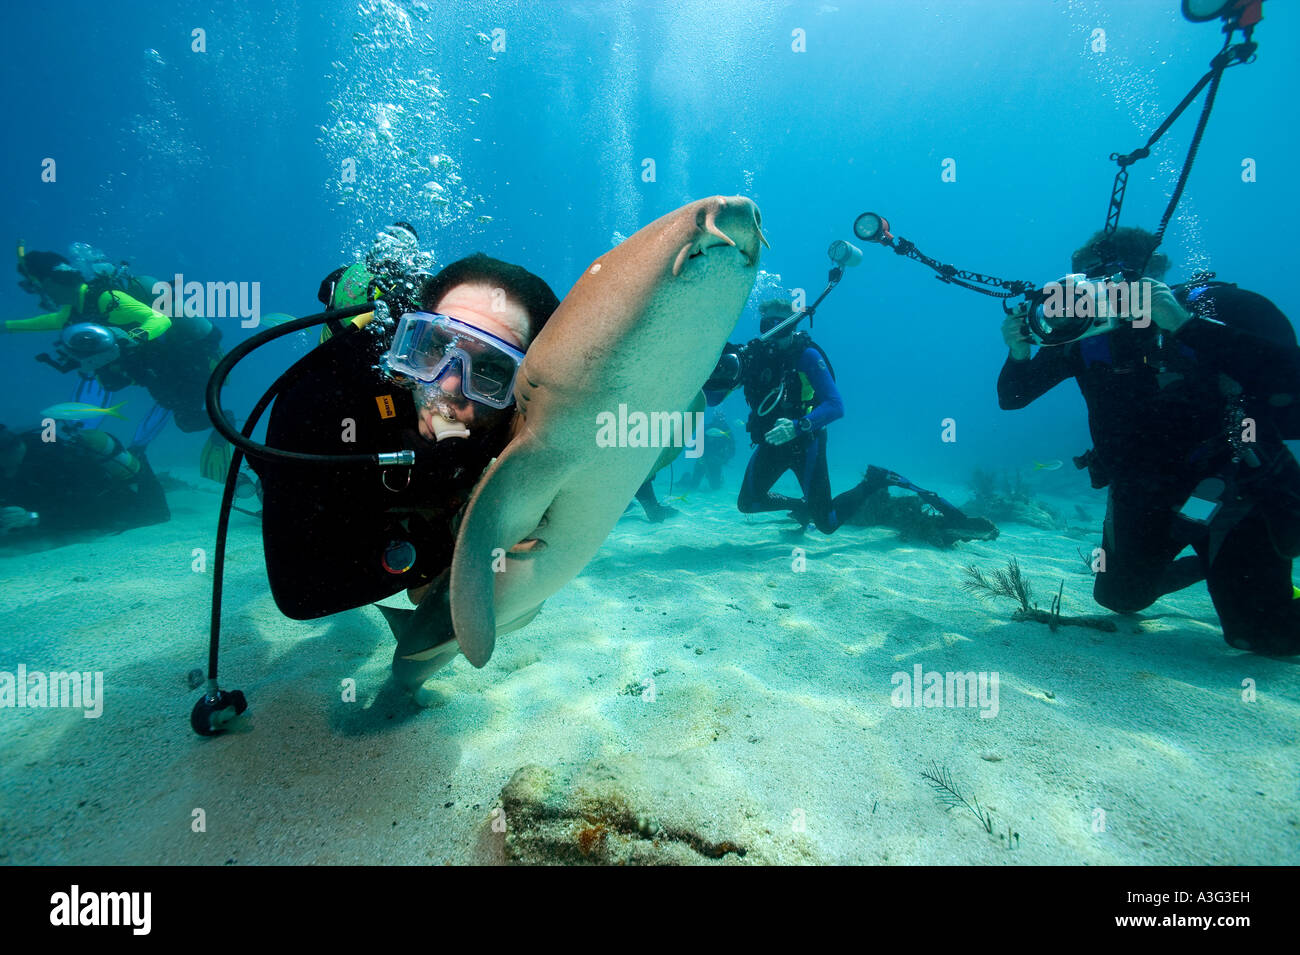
(152, 424)
(877, 478)
(90, 391)
(953, 516)
(214, 458)
(950, 512)
(247, 485)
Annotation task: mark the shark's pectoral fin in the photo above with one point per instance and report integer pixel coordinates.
(425, 642)
(506, 509)
(398, 619)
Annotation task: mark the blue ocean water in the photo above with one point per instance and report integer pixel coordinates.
(212, 141)
(225, 165)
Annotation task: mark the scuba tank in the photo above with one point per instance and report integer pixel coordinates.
(774, 387)
(354, 287)
(117, 462)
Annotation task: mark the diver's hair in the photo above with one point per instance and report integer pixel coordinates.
(772, 312)
(40, 265)
(1130, 246)
(523, 287)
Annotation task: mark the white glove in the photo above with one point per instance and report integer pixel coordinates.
(783, 432)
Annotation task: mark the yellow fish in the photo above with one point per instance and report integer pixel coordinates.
(1047, 465)
(80, 411)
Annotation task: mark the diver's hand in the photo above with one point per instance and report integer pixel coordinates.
(1015, 333)
(1168, 315)
(782, 433)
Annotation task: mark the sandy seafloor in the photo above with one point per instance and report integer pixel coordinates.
(770, 727)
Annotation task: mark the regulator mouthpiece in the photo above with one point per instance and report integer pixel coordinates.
(446, 428)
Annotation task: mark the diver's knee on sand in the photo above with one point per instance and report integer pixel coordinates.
(1123, 599)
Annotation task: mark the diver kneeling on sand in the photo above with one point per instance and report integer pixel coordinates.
(1215, 372)
(463, 363)
(75, 480)
(790, 388)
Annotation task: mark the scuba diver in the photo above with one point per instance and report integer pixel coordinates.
(719, 448)
(789, 386)
(109, 334)
(1188, 410)
(80, 480)
(436, 377)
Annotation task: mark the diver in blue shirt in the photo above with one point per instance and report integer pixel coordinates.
(789, 385)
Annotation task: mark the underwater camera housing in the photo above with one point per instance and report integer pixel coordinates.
(1079, 306)
(85, 347)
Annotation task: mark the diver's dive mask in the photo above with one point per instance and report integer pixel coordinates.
(426, 344)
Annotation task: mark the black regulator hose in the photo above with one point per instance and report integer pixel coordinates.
(241, 441)
(217, 707)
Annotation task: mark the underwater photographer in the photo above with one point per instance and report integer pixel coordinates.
(109, 332)
(432, 379)
(790, 389)
(1189, 398)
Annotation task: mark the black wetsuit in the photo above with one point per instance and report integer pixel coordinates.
(795, 383)
(338, 537)
(1160, 409)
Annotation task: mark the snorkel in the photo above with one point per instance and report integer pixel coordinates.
(30, 283)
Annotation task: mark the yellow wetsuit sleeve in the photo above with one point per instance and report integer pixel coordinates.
(49, 322)
(129, 311)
